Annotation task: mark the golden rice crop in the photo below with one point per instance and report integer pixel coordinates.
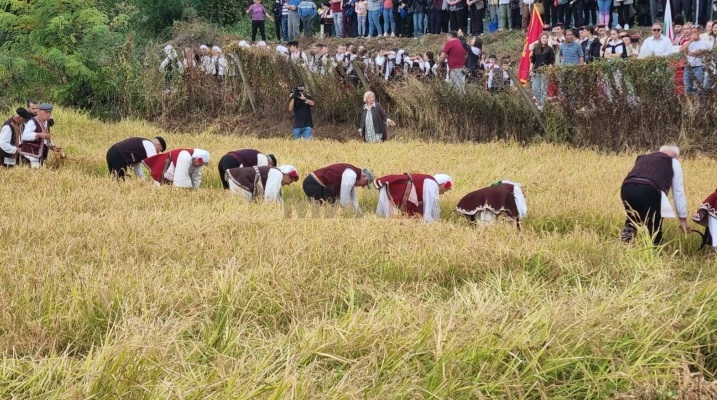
(129, 291)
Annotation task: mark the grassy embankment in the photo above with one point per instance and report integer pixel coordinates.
(129, 291)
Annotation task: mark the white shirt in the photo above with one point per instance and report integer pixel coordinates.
(29, 135)
(694, 47)
(165, 63)
(272, 189)
(6, 144)
(348, 189)
(151, 151)
(661, 47)
(184, 174)
(678, 189)
(431, 209)
(207, 64)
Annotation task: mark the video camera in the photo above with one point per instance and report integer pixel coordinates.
(297, 92)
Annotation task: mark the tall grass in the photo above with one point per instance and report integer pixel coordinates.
(129, 291)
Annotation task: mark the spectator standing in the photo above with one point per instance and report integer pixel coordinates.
(694, 75)
(455, 54)
(417, 9)
(525, 12)
(543, 55)
(656, 45)
(515, 21)
(388, 19)
(604, 7)
(503, 14)
(477, 13)
(440, 16)
(571, 53)
(277, 8)
(300, 104)
(337, 7)
(457, 14)
(258, 13)
(374, 17)
(361, 15)
(590, 12)
(615, 48)
(373, 121)
(285, 20)
(294, 21)
(623, 13)
(591, 45)
(307, 14)
(327, 20)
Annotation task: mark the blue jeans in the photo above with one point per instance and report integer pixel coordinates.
(388, 21)
(303, 133)
(418, 24)
(540, 88)
(285, 28)
(694, 79)
(338, 24)
(374, 23)
(362, 25)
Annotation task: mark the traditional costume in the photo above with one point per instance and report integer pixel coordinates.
(644, 193)
(337, 180)
(253, 183)
(35, 149)
(706, 216)
(10, 136)
(130, 153)
(501, 198)
(178, 167)
(411, 194)
(243, 158)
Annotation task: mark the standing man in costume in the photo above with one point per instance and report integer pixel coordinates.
(36, 137)
(180, 167)
(501, 198)
(32, 107)
(412, 194)
(253, 183)
(644, 193)
(130, 153)
(10, 136)
(243, 158)
(337, 181)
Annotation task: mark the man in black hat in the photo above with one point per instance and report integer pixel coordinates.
(10, 136)
(130, 153)
(242, 159)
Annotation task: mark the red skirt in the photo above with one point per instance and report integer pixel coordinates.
(707, 209)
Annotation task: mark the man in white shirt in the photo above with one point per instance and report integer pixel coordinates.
(695, 48)
(656, 45)
(254, 183)
(414, 195)
(181, 167)
(130, 153)
(337, 181)
(644, 193)
(10, 136)
(36, 137)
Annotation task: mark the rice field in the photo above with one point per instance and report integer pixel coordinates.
(129, 291)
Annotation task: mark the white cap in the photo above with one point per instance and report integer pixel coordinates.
(443, 178)
(204, 47)
(289, 170)
(200, 154)
(217, 49)
(261, 44)
(243, 43)
(281, 49)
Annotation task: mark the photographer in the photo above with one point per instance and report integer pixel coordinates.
(300, 104)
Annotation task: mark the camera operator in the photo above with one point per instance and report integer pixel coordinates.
(300, 104)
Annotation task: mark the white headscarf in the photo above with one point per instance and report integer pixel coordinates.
(281, 49)
(443, 178)
(519, 197)
(198, 154)
(286, 169)
(169, 51)
(217, 49)
(203, 47)
(243, 43)
(261, 44)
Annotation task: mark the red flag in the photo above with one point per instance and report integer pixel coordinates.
(534, 30)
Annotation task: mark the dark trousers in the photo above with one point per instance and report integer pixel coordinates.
(439, 24)
(623, 14)
(678, 6)
(642, 203)
(564, 14)
(550, 12)
(277, 26)
(477, 20)
(116, 164)
(225, 163)
(459, 19)
(315, 191)
(257, 25)
(515, 21)
(590, 13)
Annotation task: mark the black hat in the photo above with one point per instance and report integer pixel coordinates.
(559, 24)
(678, 20)
(22, 112)
(162, 142)
(273, 160)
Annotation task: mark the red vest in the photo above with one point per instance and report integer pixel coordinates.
(35, 148)
(158, 164)
(399, 190)
(330, 177)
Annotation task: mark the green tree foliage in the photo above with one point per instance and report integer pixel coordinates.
(59, 50)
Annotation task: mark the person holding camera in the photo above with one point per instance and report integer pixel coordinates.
(300, 104)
